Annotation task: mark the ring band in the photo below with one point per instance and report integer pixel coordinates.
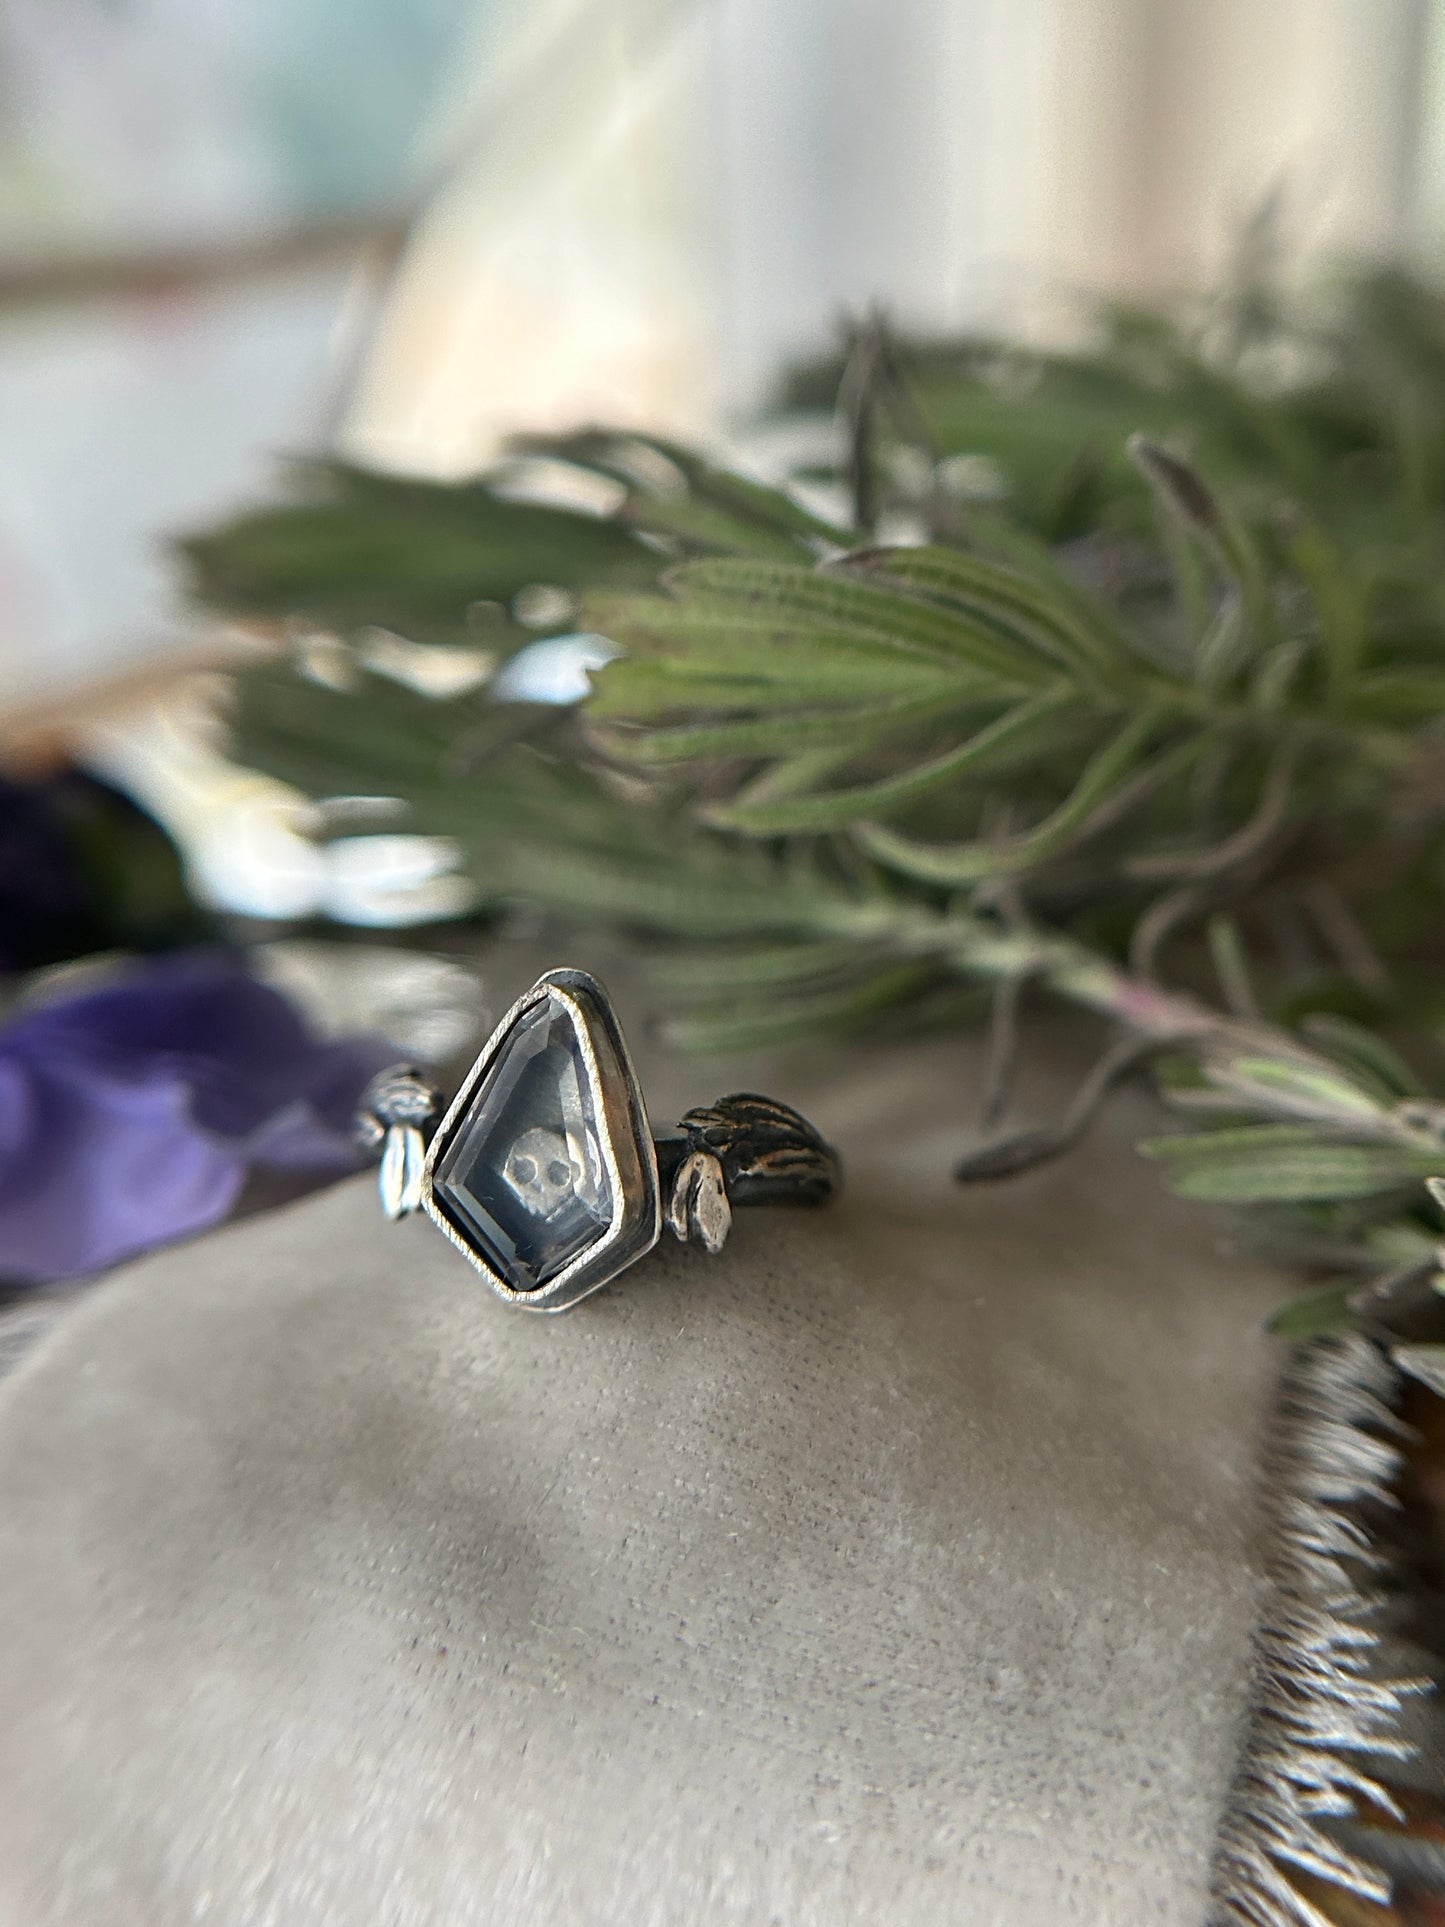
(543, 1170)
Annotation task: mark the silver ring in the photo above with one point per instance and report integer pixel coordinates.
(544, 1172)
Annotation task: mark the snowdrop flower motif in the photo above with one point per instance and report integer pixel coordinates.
(132, 1112)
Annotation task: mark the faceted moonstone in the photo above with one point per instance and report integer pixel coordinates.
(523, 1178)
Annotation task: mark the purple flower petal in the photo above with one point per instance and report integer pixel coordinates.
(95, 1169)
(131, 1113)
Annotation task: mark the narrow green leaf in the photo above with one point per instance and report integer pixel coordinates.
(775, 734)
(1241, 630)
(1338, 600)
(782, 601)
(378, 739)
(1031, 610)
(645, 464)
(1399, 1244)
(782, 1019)
(743, 493)
(705, 525)
(1403, 696)
(1028, 727)
(1003, 539)
(1314, 1313)
(1231, 965)
(1277, 674)
(413, 557)
(711, 636)
(1226, 647)
(1306, 1090)
(755, 676)
(1278, 1163)
(1365, 1055)
(970, 862)
(796, 775)
(719, 971)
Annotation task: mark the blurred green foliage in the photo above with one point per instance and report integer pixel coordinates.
(1118, 672)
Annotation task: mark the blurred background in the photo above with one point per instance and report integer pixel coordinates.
(401, 231)
(233, 229)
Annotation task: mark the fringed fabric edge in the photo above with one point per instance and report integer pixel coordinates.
(1318, 1721)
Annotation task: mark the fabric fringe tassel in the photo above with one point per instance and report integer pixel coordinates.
(1318, 1718)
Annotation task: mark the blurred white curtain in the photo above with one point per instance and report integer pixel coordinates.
(561, 273)
(646, 206)
(955, 156)
(1169, 124)
(664, 199)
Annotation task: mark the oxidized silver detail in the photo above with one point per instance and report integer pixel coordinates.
(395, 1108)
(397, 1095)
(698, 1211)
(399, 1179)
(744, 1149)
(767, 1152)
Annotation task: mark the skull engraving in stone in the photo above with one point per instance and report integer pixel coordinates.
(542, 1171)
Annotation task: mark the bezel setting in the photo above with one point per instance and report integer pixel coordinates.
(624, 1138)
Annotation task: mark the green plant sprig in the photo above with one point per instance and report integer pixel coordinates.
(1181, 708)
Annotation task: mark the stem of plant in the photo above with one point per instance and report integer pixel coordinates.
(1079, 976)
